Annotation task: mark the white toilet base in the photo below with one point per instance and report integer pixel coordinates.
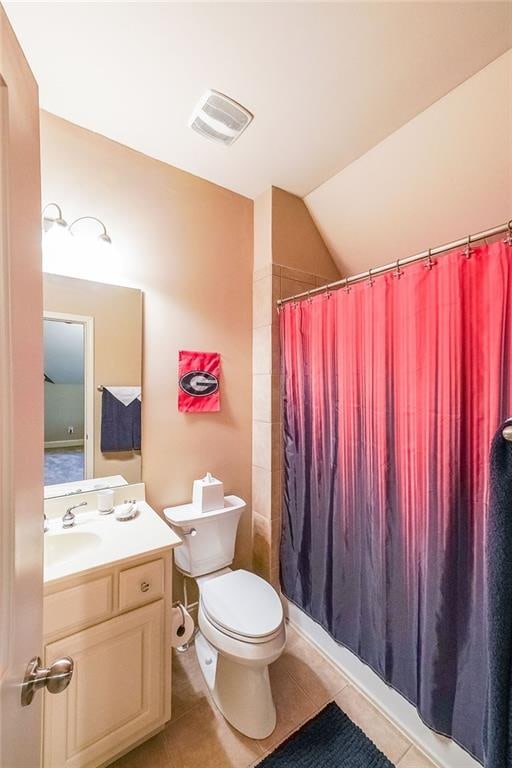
(241, 692)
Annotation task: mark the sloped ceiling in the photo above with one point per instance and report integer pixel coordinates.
(64, 352)
(445, 174)
(325, 81)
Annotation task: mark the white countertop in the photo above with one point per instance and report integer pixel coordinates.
(112, 541)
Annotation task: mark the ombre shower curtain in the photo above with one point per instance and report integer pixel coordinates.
(392, 393)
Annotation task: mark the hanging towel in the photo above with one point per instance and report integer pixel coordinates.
(120, 419)
(498, 560)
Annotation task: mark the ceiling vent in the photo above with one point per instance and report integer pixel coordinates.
(219, 118)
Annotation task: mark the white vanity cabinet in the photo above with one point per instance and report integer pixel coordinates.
(114, 622)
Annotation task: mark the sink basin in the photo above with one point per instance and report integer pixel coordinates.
(66, 545)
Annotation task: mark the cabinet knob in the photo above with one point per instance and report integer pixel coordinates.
(145, 586)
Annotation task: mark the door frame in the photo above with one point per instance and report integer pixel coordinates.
(88, 325)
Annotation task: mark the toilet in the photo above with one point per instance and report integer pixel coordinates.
(240, 616)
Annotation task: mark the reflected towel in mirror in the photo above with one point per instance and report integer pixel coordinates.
(120, 419)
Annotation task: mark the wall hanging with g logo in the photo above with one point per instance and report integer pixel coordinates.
(198, 378)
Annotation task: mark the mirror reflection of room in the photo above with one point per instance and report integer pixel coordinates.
(93, 361)
(64, 404)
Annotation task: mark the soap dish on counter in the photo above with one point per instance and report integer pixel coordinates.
(126, 511)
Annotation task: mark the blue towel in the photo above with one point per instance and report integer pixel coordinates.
(120, 424)
(498, 735)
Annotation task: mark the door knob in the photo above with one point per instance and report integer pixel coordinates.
(54, 678)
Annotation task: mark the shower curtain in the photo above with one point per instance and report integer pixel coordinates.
(391, 394)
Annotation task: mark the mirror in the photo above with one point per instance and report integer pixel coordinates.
(92, 379)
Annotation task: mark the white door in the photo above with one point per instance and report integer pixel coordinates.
(21, 403)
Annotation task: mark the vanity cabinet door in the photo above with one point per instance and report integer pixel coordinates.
(116, 695)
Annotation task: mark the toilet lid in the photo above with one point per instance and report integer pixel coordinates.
(242, 603)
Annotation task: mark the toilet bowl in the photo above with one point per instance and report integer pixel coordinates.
(241, 632)
(240, 617)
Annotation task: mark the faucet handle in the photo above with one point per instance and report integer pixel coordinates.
(75, 506)
(68, 520)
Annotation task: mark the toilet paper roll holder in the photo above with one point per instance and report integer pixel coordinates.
(181, 628)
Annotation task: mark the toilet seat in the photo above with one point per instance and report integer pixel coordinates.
(243, 606)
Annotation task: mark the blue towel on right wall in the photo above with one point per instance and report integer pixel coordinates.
(120, 421)
(498, 736)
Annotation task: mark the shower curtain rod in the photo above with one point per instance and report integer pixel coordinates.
(373, 272)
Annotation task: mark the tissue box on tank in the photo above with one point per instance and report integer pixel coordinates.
(208, 494)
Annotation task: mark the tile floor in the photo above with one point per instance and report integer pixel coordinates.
(303, 683)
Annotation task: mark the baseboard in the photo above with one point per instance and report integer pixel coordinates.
(445, 752)
(64, 443)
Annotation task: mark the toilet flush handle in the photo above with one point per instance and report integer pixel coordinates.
(189, 532)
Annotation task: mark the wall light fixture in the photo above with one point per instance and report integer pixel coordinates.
(103, 236)
(58, 220)
(50, 221)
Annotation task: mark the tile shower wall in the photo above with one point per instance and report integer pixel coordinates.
(270, 283)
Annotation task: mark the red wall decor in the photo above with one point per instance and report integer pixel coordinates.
(198, 378)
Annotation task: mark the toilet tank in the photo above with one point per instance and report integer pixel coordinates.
(208, 537)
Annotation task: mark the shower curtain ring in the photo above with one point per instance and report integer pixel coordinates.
(308, 297)
(468, 249)
(429, 263)
(398, 271)
(508, 239)
(328, 291)
(347, 287)
(370, 278)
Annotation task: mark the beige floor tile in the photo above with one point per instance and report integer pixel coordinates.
(315, 675)
(188, 685)
(203, 739)
(152, 753)
(293, 706)
(302, 683)
(383, 734)
(413, 758)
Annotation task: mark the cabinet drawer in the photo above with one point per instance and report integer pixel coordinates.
(141, 584)
(77, 606)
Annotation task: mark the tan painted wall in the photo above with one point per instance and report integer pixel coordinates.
(117, 314)
(296, 241)
(263, 230)
(188, 245)
(285, 234)
(446, 173)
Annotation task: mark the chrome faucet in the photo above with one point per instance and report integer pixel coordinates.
(68, 520)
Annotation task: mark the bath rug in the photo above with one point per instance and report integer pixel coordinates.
(329, 740)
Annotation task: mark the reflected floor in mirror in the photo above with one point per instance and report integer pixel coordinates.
(63, 465)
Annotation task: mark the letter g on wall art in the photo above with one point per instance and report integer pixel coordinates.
(198, 378)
